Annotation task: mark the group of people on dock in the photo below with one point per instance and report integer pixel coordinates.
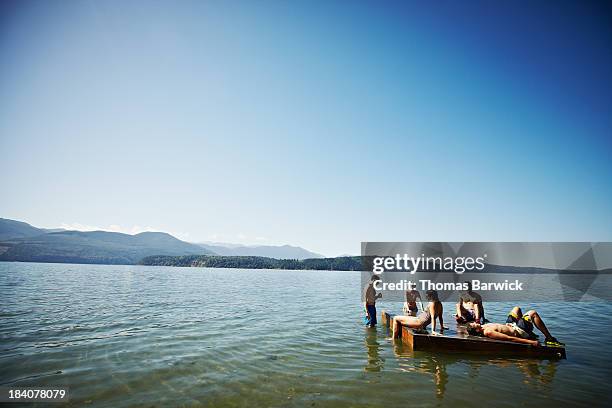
(469, 311)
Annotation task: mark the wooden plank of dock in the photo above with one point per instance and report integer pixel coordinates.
(458, 341)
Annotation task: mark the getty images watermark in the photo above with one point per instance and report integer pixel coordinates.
(505, 271)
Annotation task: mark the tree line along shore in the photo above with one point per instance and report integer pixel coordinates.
(347, 263)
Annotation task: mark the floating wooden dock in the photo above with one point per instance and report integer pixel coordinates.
(458, 341)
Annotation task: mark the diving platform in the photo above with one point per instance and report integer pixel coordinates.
(457, 340)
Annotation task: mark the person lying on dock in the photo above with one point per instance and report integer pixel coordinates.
(518, 328)
(469, 307)
(410, 306)
(369, 305)
(433, 311)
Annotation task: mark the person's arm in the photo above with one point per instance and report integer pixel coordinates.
(442, 328)
(477, 312)
(501, 336)
(365, 301)
(482, 313)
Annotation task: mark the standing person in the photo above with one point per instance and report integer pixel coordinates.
(410, 306)
(433, 311)
(469, 307)
(370, 297)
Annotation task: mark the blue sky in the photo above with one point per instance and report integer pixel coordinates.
(319, 124)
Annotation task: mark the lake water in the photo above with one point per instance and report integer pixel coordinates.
(158, 336)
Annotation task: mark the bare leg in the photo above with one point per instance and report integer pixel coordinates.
(395, 324)
(539, 323)
(410, 321)
(517, 312)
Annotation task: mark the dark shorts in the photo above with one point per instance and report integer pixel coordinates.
(468, 314)
(523, 323)
(371, 321)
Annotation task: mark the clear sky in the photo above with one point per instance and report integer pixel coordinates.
(319, 124)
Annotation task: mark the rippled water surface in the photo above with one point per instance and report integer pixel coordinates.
(161, 336)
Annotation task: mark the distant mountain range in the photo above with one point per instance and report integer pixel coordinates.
(10, 229)
(269, 251)
(20, 241)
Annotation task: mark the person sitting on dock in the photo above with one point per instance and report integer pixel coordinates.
(433, 311)
(469, 307)
(410, 306)
(518, 328)
(370, 297)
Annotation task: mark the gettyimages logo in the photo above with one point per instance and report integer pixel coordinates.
(404, 262)
(506, 271)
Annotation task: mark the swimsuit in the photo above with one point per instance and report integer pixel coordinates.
(425, 318)
(524, 323)
(518, 332)
(470, 315)
(370, 321)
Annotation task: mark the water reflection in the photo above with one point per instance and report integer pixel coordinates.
(375, 362)
(537, 374)
(425, 363)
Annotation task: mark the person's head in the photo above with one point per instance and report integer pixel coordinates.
(432, 296)
(474, 329)
(374, 278)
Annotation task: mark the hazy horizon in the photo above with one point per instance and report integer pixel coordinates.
(138, 230)
(317, 125)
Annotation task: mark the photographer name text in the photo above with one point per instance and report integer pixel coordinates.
(426, 284)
